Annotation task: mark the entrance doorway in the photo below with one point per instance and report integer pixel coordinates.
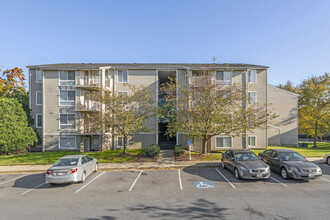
(165, 141)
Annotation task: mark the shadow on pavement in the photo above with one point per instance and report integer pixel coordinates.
(33, 180)
(201, 208)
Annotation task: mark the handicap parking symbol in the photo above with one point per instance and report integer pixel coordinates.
(204, 185)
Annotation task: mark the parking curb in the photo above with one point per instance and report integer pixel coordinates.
(127, 169)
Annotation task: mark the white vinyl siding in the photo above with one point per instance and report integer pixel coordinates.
(67, 142)
(67, 78)
(67, 97)
(122, 76)
(224, 77)
(39, 76)
(253, 76)
(67, 122)
(252, 97)
(223, 142)
(38, 120)
(252, 141)
(38, 97)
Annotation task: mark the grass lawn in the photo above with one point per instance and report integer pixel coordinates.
(197, 156)
(111, 156)
(323, 149)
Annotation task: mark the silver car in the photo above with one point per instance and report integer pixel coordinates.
(245, 164)
(71, 169)
(327, 158)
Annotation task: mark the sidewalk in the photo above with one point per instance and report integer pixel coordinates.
(160, 165)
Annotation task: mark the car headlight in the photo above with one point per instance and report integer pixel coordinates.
(243, 169)
(267, 169)
(318, 169)
(294, 169)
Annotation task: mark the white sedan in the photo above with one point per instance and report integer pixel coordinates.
(71, 169)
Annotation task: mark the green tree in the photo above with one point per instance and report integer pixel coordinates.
(123, 114)
(203, 108)
(15, 134)
(12, 85)
(314, 106)
(288, 86)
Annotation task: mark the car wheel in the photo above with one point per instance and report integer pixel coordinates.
(236, 173)
(328, 160)
(223, 165)
(284, 173)
(96, 167)
(83, 177)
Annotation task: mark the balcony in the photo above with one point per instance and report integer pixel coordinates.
(198, 81)
(88, 82)
(85, 106)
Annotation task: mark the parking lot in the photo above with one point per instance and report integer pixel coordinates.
(165, 194)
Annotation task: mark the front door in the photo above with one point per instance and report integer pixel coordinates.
(87, 143)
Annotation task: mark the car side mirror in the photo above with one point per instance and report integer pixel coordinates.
(276, 158)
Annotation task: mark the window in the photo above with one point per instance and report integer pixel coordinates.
(39, 76)
(38, 120)
(222, 142)
(224, 77)
(67, 98)
(39, 98)
(84, 160)
(67, 78)
(120, 141)
(68, 142)
(122, 93)
(253, 76)
(252, 97)
(67, 121)
(122, 76)
(252, 141)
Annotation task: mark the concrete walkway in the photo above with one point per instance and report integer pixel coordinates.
(166, 157)
(164, 163)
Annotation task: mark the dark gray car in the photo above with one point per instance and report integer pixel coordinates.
(245, 164)
(290, 163)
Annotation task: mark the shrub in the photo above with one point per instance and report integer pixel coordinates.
(179, 150)
(152, 151)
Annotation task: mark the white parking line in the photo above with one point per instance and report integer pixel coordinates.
(13, 179)
(278, 181)
(180, 181)
(33, 188)
(135, 180)
(325, 180)
(90, 182)
(225, 178)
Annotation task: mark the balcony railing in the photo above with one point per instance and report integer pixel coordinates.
(198, 81)
(88, 81)
(88, 106)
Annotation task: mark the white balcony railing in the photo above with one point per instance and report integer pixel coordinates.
(88, 81)
(88, 106)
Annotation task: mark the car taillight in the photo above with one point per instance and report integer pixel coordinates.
(49, 172)
(73, 170)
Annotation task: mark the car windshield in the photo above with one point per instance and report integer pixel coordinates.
(67, 162)
(291, 156)
(246, 156)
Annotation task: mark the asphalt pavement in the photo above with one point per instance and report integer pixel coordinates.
(188, 193)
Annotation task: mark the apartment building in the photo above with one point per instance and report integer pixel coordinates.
(61, 93)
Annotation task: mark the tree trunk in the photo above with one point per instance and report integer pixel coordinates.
(315, 135)
(125, 142)
(204, 145)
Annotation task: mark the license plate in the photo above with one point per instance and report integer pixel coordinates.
(259, 175)
(311, 175)
(60, 174)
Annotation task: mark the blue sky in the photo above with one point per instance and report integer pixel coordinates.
(292, 37)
